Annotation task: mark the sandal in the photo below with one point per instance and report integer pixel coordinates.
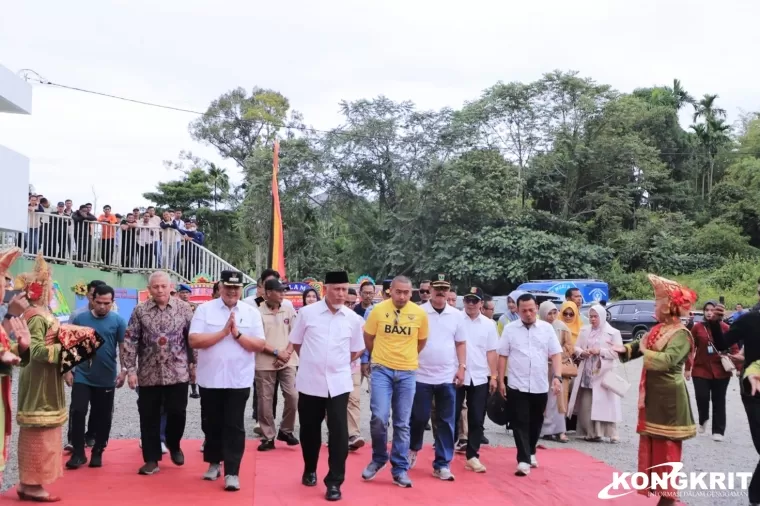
(23, 496)
(562, 438)
(592, 439)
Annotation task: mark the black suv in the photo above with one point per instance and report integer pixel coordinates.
(633, 318)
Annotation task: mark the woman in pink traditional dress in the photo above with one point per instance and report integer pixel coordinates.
(665, 419)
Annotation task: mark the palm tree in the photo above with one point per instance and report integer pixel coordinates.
(680, 95)
(712, 135)
(706, 109)
(220, 180)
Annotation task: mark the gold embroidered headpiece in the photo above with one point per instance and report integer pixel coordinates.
(680, 298)
(37, 283)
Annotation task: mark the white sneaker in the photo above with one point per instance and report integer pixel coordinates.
(412, 459)
(523, 469)
(533, 461)
(443, 474)
(701, 429)
(474, 465)
(718, 437)
(164, 449)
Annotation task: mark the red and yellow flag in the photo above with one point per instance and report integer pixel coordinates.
(276, 239)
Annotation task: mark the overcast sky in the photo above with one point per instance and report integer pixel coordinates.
(438, 53)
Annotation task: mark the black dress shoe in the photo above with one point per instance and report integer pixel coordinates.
(290, 439)
(309, 479)
(177, 457)
(266, 445)
(333, 493)
(96, 458)
(484, 440)
(76, 461)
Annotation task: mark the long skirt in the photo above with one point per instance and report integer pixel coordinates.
(653, 452)
(40, 455)
(586, 426)
(554, 420)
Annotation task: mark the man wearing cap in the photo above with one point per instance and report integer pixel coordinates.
(442, 368)
(278, 321)
(480, 378)
(183, 294)
(227, 334)
(327, 337)
(395, 333)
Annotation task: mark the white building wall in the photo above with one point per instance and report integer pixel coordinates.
(15, 98)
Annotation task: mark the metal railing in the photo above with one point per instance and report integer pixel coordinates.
(143, 246)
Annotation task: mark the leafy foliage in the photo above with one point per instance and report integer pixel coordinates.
(556, 178)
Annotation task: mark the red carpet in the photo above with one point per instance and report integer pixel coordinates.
(118, 484)
(565, 477)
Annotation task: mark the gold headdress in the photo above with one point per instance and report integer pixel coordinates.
(7, 257)
(680, 298)
(38, 283)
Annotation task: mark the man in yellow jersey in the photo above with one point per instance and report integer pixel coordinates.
(395, 332)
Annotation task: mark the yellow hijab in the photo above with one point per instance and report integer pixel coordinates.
(576, 323)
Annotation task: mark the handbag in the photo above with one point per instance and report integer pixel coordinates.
(569, 370)
(727, 363)
(616, 384)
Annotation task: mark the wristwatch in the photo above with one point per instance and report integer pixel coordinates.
(238, 335)
(558, 377)
(493, 377)
(463, 366)
(276, 352)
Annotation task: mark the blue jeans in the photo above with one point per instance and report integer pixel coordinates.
(394, 390)
(163, 418)
(445, 407)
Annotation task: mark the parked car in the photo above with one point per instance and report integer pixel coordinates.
(633, 318)
(500, 301)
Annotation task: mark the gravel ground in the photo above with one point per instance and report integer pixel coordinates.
(702, 454)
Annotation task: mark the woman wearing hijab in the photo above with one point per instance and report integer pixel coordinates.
(571, 316)
(556, 406)
(665, 419)
(511, 314)
(708, 374)
(598, 409)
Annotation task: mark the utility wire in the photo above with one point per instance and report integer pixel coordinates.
(40, 80)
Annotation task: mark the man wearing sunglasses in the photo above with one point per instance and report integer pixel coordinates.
(425, 291)
(441, 370)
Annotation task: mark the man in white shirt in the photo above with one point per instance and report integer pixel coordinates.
(327, 337)
(227, 335)
(442, 365)
(529, 343)
(480, 376)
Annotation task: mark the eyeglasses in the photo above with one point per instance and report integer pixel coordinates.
(367, 294)
(568, 314)
(469, 300)
(425, 292)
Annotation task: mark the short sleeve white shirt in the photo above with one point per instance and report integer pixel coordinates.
(327, 341)
(481, 338)
(529, 349)
(438, 362)
(226, 364)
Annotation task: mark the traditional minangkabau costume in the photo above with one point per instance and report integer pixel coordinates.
(41, 399)
(7, 258)
(665, 419)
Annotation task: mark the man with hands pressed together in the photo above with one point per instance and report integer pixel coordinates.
(227, 334)
(527, 343)
(327, 337)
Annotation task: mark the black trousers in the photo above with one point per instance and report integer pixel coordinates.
(706, 390)
(477, 396)
(224, 427)
(173, 398)
(274, 400)
(89, 432)
(752, 407)
(311, 413)
(101, 415)
(527, 415)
